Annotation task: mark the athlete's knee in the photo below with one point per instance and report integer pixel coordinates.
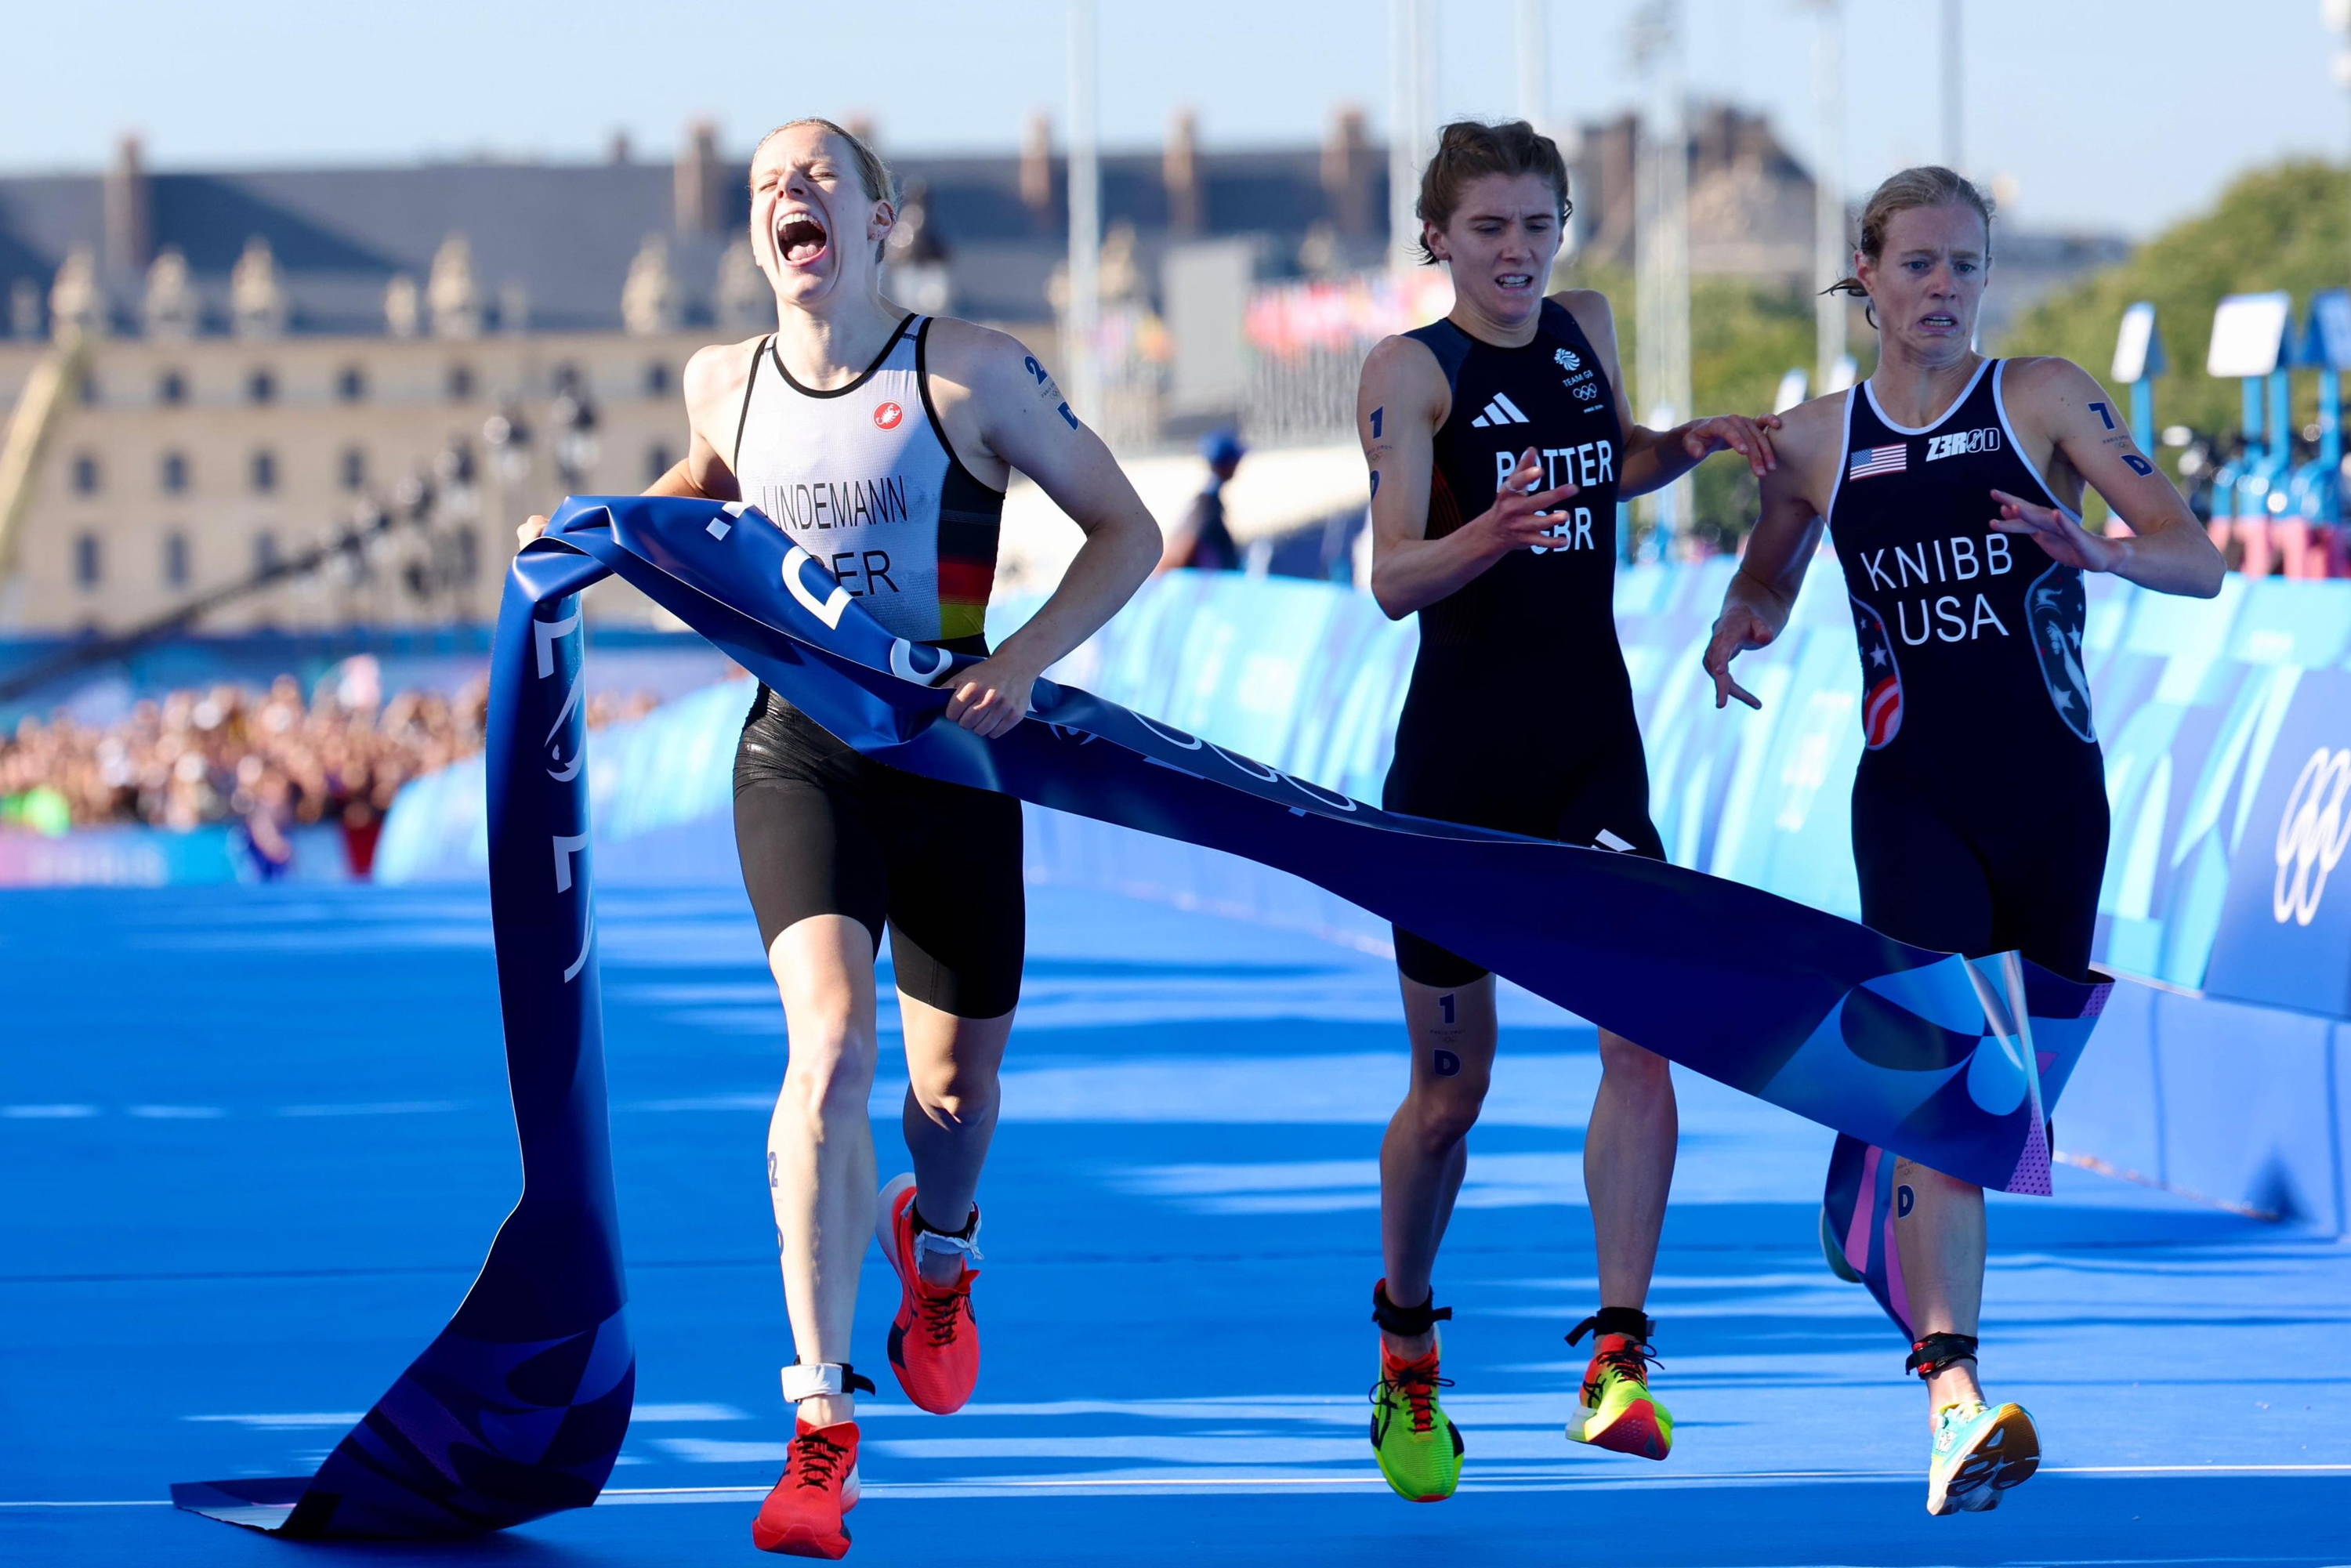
(1627, 1063)
(1444, 1112)
(830, 1074)
(954, 1093)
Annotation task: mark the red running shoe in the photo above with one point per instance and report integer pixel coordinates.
(933, 1340)
(801, 1518)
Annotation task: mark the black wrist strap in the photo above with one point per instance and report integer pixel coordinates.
(1939, 1350)
(1407, 1323)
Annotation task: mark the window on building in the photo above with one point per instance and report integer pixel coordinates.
(175, 473)
(87, 560)
(351, 385)
(658, 462)
(266, 558)
(261, 386)
(88, 390)
(265, 472)
(565, 378)
(354, 469)
(461, 383)
(172, 389)
(657, 382)
(175, 560)
(465, 554)
(85, 474)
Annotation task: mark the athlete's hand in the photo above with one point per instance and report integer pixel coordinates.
(992, 696)
(1751, 438)
(1515, 520)
(1739, 628)
(529, 528)
(2066, 541)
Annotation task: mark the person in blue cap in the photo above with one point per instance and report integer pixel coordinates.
(1201, 541)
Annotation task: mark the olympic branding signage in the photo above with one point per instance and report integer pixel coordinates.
(2313, 833)
(2284, 936)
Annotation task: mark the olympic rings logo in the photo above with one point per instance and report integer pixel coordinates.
(2311, 835)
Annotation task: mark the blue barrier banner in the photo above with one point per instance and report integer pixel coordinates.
(2285, 929)
(520, 1405)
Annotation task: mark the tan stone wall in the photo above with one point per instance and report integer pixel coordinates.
(404, 419)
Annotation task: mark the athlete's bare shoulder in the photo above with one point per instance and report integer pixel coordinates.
(713, 381)
(1809, 439)
(1592, 312)
(1401, 372)
(977, 358)
(2038, 381)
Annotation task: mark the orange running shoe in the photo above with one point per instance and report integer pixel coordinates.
(933, 1340)
(801, 1518)
(1618, 1411)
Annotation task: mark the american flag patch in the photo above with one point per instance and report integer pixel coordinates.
(1879, 460)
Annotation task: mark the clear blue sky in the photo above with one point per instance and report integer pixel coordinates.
(2105, 113)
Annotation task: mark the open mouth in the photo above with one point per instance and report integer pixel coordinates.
(1515, 281)
(799, 240)
(1940, 321)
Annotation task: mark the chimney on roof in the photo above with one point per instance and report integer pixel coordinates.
(1179, 168)
(129, 217)
(861, 126)
(620, 149)
(700, 184)
(1347, 172)
(1036, 169)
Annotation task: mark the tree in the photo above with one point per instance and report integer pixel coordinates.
(2287, 227)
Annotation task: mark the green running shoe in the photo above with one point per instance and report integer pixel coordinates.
(1979, 1454)
(1418, 1449)
(1619, 1412)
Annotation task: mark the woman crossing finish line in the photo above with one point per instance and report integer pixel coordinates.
(1951, 485)
(1499, 452)
(881, 442)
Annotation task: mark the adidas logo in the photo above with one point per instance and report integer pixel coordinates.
(1500, 410)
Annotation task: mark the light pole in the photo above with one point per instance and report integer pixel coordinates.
(1831, 256)
(1661, 244)
(2336, 17)
(1955, 152)
(1085, 216)
(1412, 111)
(1535, 63)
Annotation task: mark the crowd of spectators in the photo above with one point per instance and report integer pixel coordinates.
(266, 761)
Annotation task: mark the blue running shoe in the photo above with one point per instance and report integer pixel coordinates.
(1979, 1454)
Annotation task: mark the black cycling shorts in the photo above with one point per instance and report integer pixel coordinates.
(823, 829)
(1607, 791)
(1964, 864)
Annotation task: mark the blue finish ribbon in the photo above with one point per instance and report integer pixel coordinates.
(519, 1407)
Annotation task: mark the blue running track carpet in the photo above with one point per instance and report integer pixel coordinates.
(255, 1143)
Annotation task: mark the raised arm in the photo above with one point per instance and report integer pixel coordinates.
(1787, 532)
(1399, 404)
(2057, 401)
(991, 388)
(1654, 459)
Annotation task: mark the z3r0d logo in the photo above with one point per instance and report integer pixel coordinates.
(2313, 833)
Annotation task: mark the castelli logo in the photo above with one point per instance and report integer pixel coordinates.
(887, 416)
(2313, 833)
